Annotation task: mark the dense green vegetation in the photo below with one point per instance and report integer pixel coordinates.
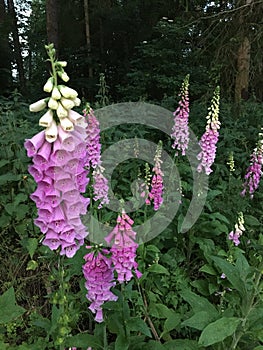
(198, 290)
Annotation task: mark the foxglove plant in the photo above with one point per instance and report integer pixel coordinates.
(254, 171)
(210, 137)
(99, 275)
(156, 189)
(180, 131)
(238, 231)
(58, 155)
(100, 182)
(123, 248)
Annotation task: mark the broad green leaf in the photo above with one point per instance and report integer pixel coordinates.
(136, 324)
(251, 221)
(172, 321)
(159, 310)
(9, 310)
(219, 330)
(258, 348)
(153, 345)
(121, 343)
(199, 320)
(208, 269)
(199, 303)
(157, 268)
(232, 274)
(83, 340)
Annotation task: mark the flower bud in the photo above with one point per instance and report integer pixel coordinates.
(77, 101)
(38, 106)
(49, 85)
(61, 111)
(62, 63)
(67, 103)
(56, 95)
(52, 104)
(51, 132)
(74, 116)
(67, 91)
(63, 76)
(66, 124)
(46, 119)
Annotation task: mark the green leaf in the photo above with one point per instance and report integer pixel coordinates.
(159, 310)
(121, 343)
(172, 322)
(83, 340)
(232, 274)
(9, 309)
(208, 269)
(8, 177)
(136, 324)
(32, 265)
(219, 330)
(199, 320)
(181, 344)
(157, 268)
(251, 221)
(199, 303)
(30, 244)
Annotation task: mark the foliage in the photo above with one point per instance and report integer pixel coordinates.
(197, 290)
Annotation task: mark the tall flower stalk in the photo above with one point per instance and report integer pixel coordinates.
(254, 171)
(210, 137)
(99, 275)
(123, 248)
(180, 131)
(93, 161)
(155, 193)
(58, 154)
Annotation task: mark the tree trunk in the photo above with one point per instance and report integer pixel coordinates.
(52, 22)
(5, 55)
(17, 46)
(242, 76)
(87, 30)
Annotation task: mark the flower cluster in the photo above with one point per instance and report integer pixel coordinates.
(238, 231)
(59, 154)
(210, 137)
(99, 183)
(180, 129)
(99, 275)
(58, 171)
(156, 190)
(124, 248)
(61, 101)
(254, 171)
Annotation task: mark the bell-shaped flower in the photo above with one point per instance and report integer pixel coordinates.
(52, 132)
(56, 95)
(46, 119)
(52, 104)
(38, 106)
(67, 103)
(49, 85)
(66, 124)
(32, 145)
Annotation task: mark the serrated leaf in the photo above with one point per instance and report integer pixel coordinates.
(219, 330)
(9, 309)
(136, 324)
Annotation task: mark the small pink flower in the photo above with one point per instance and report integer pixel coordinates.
(210, 137)
(180, 129)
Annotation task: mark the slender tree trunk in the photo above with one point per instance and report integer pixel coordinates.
(243, 62)
(5, 54)
(87, 30)
(52, 23)
(243, 65)
(17, 46)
